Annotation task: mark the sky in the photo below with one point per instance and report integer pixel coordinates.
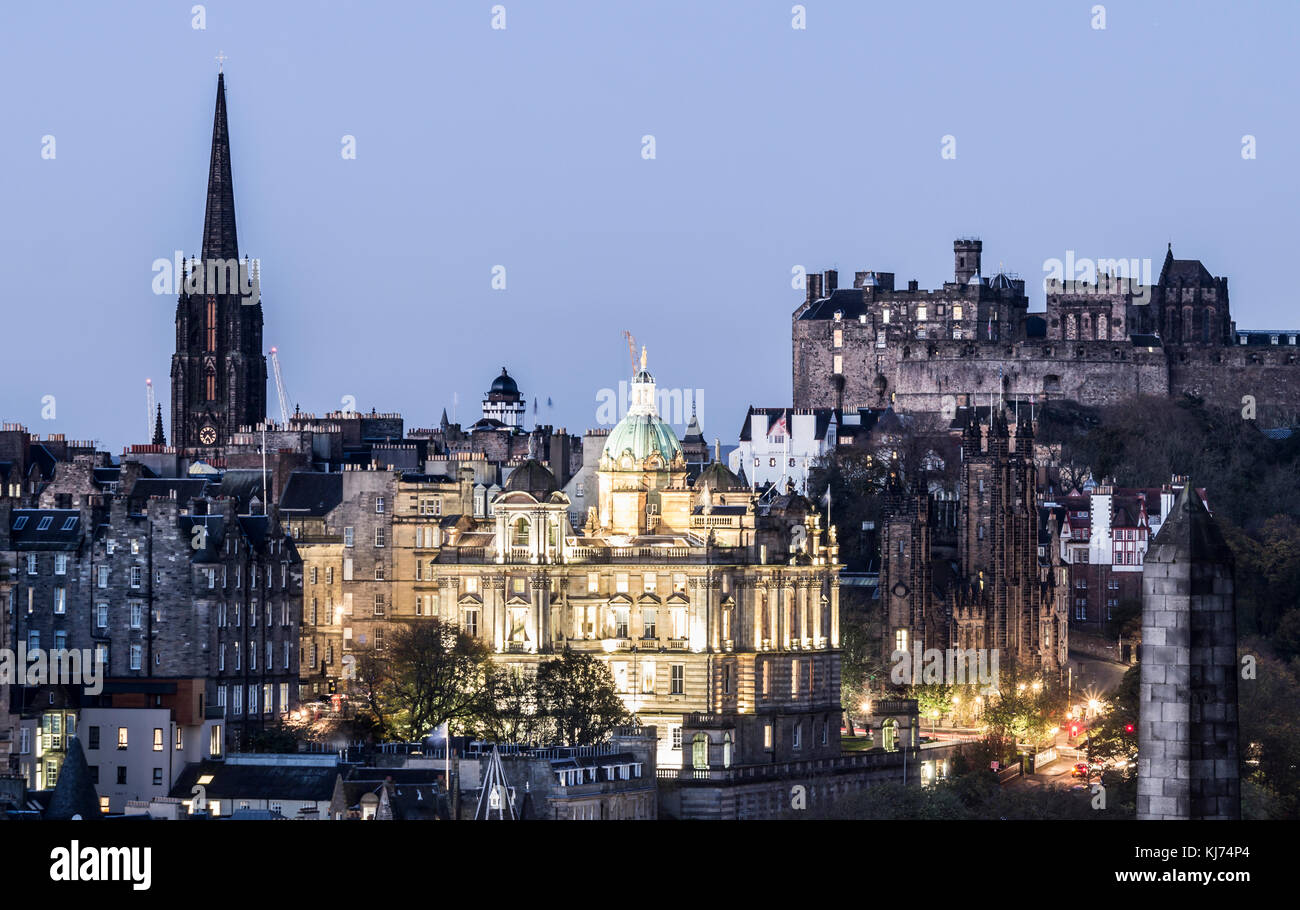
(774, 147)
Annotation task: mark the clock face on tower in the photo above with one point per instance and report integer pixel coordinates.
(208, 435)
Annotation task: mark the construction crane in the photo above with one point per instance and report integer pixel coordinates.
(631, 349)
(279, 387)
(148, 409)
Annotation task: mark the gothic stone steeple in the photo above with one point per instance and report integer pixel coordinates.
(218, 371)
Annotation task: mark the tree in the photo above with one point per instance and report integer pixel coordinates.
(579, 703)
(435, 673)
(510, 710)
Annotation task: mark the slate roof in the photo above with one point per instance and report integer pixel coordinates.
(312, 492)
(185, 488)
(850, 301)
(272, 782)
(242, 484)
(26, 532)
(216, 535)
(823, 420)
(74, 794)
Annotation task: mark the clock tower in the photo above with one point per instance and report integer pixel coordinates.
(218, 371)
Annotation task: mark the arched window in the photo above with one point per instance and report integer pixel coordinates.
(889, 735)
(520, 538)
(726, 750)
(700, 751)
(210, 384)
(211, 324)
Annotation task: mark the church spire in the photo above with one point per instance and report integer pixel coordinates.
(219, 240)
(159, 439)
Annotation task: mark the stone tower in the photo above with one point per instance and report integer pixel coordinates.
(218, 371)
(997, 534)
(1187, 742)
(966, 258)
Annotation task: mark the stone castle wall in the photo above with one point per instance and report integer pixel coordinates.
(918, 375)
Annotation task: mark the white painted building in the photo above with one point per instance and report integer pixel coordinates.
(780, 444)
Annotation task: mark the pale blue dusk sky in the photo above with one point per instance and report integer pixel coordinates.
(476, 147)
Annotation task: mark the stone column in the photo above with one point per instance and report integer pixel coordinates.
(1188, 762)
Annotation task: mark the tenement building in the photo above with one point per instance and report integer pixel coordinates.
(876, 345)
(166, 581)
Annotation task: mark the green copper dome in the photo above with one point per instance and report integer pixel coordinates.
(645, 435)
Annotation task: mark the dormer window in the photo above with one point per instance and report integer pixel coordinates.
(44, 523)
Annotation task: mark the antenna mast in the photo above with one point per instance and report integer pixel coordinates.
(148, 407)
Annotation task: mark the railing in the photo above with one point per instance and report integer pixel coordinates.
(463, 554)
(517, 647)
(893, 706)
(667, 773)
(678, 644)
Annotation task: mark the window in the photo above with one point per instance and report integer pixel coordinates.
(103, 576)
(621, 622)
(136, 652)
(920, 317)
(648, 615)
(677, 680)
(471, 623)
(347, 536)
(33, 640)
(60, 640)
(214, 741)
(379, 571)
(121, 774)
(180, 737)
(794, 676)
(347, 569)
(44, 523)
(593, 582)
(252, 698)
(726, 679)
(471, 584)
(137, 574)
(20, 522)
(157, 739)
(620, 583)
(329, 575)
(648, 582)
(956, 311)
(647, 677)
(237, 657)
(700, 751)
(60, 600)
(60, 563)
(379, 537)
(837, 338)
(797, 740)
(379, 505)
(135, 546)
(679, 583)
(379, 604)
(122, 738)
(92, 737)
(101, 656)
(767, 735)
(676, 737)
(900, 640)
(837, 365)
(157, 777)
